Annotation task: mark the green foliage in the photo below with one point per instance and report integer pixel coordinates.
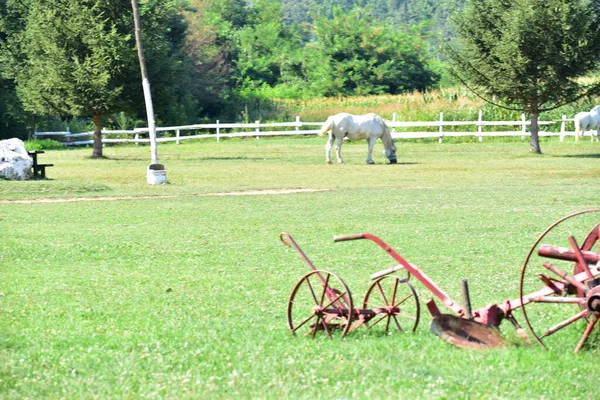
(79, 58)
(210, 51)
(14, 118)
(123, 121)
(234, 50)
(268, 50)
(353, 56)
(431, 16)
(66, 64)
(43, 144)
(259, 56)
(57, 124)
(528, 54)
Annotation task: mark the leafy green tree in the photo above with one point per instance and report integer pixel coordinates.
(241, 51)
(78, 57)
(528, 54)
(268, 48)
(213, 47)
(13, 117)
(297, 11)
(352, 55)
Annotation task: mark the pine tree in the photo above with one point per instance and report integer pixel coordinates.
(78, 57)
(528, 54)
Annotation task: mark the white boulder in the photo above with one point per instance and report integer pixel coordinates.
(15, 163)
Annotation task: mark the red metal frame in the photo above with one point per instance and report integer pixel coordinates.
(492, 314)
(584, 283)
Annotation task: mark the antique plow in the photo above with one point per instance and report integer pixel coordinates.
(322, 302)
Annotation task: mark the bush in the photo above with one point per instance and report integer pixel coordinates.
(43, 144)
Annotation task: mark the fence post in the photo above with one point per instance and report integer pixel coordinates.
(523, 126)
(479, 125)
(394, 121)
(298, 123)
(441, 130)
(218, 132)
(257, 129)
(177, 134)
(563, 124)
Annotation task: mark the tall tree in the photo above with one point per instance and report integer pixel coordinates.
(14, 119)
(213, 46)
(529, 54)
(78, 57)
(352, 55)
(267, 47)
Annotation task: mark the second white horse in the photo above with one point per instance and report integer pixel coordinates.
(587, 120)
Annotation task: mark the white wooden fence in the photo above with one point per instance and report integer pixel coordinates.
(257, 129)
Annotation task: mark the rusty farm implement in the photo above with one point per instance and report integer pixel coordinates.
(559, 287)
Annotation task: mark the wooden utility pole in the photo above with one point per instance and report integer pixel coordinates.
(147, 94)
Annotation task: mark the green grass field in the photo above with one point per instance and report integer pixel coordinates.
(113, 288)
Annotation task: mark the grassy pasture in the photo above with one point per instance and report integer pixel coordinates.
(171, 291)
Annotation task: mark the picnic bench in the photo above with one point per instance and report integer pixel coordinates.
(39, 170)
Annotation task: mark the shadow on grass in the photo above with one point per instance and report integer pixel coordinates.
(108, 158)
(582, 156)
(233, 158)
(404, 163)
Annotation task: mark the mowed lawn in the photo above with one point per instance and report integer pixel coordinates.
(113, 288)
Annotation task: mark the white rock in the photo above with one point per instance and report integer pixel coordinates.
(15, 163)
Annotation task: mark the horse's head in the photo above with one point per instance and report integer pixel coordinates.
(595, 110)
(390, 153)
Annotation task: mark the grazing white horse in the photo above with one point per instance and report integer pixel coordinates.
(587, 120)
(354, 127)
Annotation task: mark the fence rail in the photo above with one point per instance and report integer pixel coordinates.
(258, 129)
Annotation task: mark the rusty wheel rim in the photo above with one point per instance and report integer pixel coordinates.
(569, 303)
(396, 302)
(320, 302)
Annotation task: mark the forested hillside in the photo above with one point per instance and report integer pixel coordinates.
(397, 12)
(209, 59)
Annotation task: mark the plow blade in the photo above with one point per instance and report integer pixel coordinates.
(466, 333)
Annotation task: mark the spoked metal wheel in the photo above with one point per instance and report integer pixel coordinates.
(395, 303)
(320, 301)
(560, 285)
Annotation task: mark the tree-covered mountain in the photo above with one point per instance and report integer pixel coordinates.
(433, 13)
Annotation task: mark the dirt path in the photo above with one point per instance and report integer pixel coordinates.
(235, 193)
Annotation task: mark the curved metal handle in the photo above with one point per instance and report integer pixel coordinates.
(354, 236)
(286, 239)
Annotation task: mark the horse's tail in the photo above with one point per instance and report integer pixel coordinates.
(326, 126)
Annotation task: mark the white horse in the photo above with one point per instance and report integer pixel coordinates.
(587, 120)
(354, 127)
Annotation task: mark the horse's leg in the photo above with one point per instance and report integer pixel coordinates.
(372, 140)
(328, 147)
(586, 126)
(338, 149)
